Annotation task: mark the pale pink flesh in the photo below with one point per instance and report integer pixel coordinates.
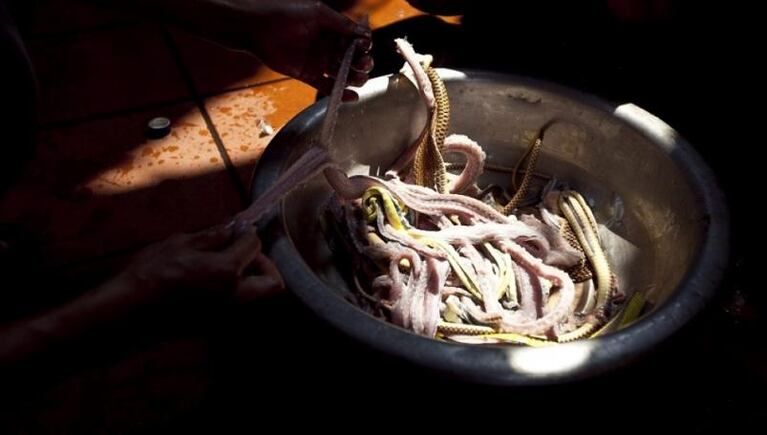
(557, 277)
(525, 286)
(412, 304)
(475, 161)
(415, 294)
(307, 166)
(422, 80)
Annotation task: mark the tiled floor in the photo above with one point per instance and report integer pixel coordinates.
(237, 115)
(101, 186)
(97, 185)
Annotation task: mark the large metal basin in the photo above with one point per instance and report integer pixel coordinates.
(675, 219)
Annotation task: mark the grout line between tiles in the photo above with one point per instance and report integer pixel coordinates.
(99, 116)
(200, 102)
(244, 87)
(71, 122)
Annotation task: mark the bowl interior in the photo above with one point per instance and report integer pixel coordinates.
(630, 173)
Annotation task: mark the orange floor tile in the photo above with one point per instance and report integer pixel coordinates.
(237, 117)
(103, 186)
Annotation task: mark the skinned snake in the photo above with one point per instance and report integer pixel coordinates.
(443, 264)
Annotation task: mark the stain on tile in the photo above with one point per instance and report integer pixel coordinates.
(101, 72)
(237, 116)
(102, 186)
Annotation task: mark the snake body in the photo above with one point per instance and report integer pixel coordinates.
(466, 270)
(458, 268)
(429, 166)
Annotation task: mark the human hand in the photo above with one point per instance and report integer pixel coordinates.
(206, 266)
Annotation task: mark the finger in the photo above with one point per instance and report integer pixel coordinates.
(336, 50)
(210, 239)
(324, 86)
(262, 265)
(257, 287)
(243, 251)
(349, 96)
(364, 45)
(357, 78)
(266, 281)
(363, 64)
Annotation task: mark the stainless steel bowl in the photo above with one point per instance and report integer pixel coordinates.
(675, 217)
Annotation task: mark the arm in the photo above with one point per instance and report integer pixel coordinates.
(199, 268)
(303, 39)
